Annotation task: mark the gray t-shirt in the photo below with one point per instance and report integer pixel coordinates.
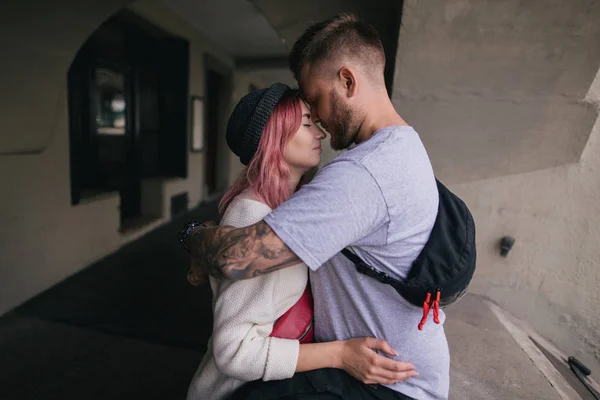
(380, 199)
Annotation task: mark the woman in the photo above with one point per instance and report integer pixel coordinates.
(272, 133)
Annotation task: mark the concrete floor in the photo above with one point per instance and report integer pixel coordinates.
(131, 327)
(486, 361)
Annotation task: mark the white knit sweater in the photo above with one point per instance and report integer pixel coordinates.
(240, 348)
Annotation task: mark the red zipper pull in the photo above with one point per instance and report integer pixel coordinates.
(426, 308)
(436, 308)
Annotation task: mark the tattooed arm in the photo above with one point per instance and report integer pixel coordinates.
(225, 252)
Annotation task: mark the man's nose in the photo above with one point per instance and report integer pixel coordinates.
(321, 132)
(315, 116)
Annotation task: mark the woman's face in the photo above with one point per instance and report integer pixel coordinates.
(303, 150)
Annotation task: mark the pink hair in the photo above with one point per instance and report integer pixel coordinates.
(267, 174)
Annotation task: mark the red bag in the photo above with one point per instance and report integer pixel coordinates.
(297, 322)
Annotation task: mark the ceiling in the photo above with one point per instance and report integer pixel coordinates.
(260, 33)
(235, 25)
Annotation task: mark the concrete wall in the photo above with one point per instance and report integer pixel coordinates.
(502, 94)
(44, 239)
(552, 275)
(496, 87)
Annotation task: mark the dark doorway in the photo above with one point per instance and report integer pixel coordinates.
(128, 90)
(214, 89)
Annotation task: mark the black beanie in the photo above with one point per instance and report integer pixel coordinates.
(249, 119)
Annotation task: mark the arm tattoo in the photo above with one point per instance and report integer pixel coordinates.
(225, 252)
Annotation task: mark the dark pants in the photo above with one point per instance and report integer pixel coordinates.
(322, 384)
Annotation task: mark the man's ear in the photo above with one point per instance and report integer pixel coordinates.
(349, 81)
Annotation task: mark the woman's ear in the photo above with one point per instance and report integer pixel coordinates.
(348, 78)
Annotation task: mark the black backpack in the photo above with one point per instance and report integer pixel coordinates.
(441, 273)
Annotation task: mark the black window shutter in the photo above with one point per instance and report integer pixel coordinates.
(174, 107)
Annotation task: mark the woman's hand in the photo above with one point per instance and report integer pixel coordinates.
(359, 359)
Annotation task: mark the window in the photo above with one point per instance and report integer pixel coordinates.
(128, 110)
(109, 102)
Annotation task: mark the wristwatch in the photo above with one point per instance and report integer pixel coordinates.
(186, 232)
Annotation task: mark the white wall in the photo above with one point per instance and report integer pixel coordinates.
(496, 87)
(497, 91)
(552, 275)
(43, 239)
(39, 40)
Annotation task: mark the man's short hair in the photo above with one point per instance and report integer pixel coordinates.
(341, 36)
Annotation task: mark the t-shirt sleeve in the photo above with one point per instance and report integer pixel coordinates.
(341, 205)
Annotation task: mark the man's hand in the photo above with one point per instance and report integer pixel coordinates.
(196, 275)
(359, 359)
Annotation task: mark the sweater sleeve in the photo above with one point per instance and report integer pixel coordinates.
(245, 312)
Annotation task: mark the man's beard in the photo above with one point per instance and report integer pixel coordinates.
(343, 125)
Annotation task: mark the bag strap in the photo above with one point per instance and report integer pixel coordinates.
(371, 272)
(430, 303)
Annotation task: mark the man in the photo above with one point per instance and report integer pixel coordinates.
(379, 199)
